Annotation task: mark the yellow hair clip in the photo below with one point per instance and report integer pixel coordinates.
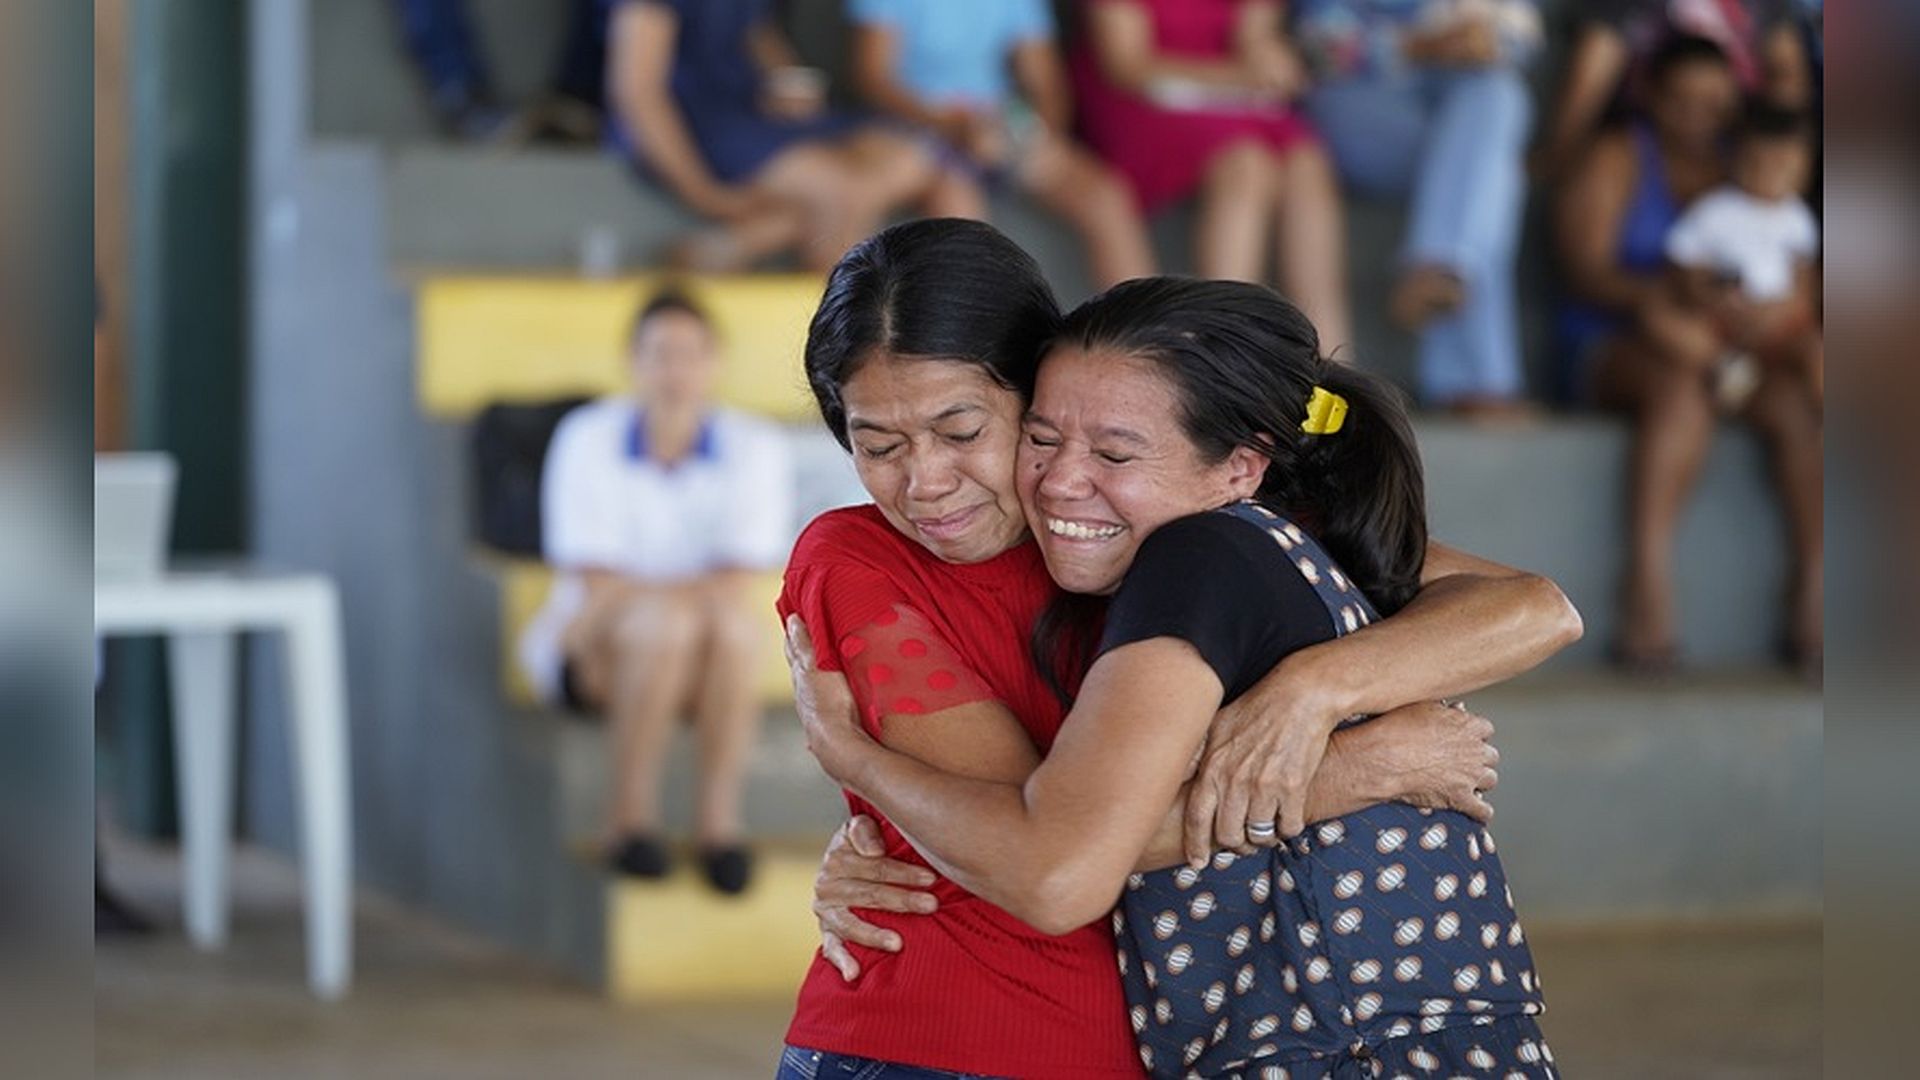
(1326, 412)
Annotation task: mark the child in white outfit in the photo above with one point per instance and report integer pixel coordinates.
(1744, 255)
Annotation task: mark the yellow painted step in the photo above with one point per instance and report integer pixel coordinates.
(524, 585)
(677, 940)
(504, 338)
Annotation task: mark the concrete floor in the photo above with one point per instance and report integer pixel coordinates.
(1643, 1002)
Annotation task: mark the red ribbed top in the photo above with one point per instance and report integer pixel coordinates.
(973, 989)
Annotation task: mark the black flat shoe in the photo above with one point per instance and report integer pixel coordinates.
(729, 869)
(640, 857)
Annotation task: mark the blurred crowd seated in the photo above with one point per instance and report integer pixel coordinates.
(1600, 131)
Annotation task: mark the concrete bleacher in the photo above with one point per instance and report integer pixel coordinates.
(1618, 799)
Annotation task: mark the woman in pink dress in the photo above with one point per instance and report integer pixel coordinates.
(1190, 97)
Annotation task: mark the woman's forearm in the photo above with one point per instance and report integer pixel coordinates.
(1461, 633)
(1345, 783)
(1165, 849)
(875, 53)
(1598, 58)
(656, 127)
(640, 47)
(986, 836)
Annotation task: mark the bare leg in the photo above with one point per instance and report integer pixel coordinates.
(885, 171)
(1236, 212)
(1096, 202)
(1673, 421)
(737, 245)
(899, 169)
(1683, 335)
(727, 714)
(1312, 243)
(846, 189)
(653, 654)
(956, 194)
(1784, 413)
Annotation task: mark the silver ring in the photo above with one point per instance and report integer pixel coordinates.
(1261, 830)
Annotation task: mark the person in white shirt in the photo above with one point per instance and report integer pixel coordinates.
(1744, 254)
(656, 508)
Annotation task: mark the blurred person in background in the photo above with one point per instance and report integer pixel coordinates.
(1428, 99)
(708, 99)
(1608, 68)
(1196, 97)
(440, 40)
(655, 508)
(987, 78)
(1630, 349)
(1744, 256)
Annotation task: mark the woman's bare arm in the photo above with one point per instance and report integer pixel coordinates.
(1587, 227)
(769, 47)
(1599, 58)
(1042, 80)
(985, 741)
(1473, 623)
(640, 59)
(875, 58)
(1788, 73)
(1055, 850)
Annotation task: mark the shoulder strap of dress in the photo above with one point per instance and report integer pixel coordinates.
(1346, 605)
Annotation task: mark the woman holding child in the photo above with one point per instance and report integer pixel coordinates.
(1646, 336)
(1162, 403)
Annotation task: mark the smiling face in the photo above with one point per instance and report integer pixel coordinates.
(933, 442)
(1104, 462)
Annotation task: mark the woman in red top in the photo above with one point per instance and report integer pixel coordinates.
(922, 356)
(1187, 96)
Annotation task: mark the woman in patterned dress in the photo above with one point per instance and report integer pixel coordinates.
(1379, 943)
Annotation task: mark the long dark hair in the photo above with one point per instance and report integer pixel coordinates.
(941, 288)
(1243, 363)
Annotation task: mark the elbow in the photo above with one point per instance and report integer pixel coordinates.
(1559, 618)
(1065, 899)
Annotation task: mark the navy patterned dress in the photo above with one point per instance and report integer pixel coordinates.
(1381, 944)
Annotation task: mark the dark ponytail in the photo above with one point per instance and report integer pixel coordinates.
(1244, 363)
(1361, 490)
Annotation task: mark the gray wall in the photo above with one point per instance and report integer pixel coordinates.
(456, 807)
